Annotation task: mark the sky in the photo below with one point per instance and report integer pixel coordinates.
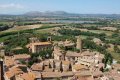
(71, 6)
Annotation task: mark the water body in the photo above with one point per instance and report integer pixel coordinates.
(67, 21)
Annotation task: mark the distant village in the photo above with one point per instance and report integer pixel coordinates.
(80, 64)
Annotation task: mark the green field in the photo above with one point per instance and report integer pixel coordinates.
(108, 33)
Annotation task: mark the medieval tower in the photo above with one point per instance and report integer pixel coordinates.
(79, 44)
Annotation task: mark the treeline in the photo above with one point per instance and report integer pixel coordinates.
(4, 27)
(26, 31)
(63, 38)
(81, 26)
(114, 38)
(115, 42)
(20, 40)
(21, 51)
(78, 32)
(14, 33)
(80, 19)
(116, 49)
(27, 23)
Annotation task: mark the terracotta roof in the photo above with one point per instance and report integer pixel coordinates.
(86, 78)
(50, 74)
(87, 53)
(116, 65)
(79, 67)
(37, 66)
(100, 65)
(46, 62)
(22, 56)
(70, 73)
(73, 54)
(113, 74)
(58, 52)
(9, 74)
(53, 74)
(13, 71)
(97, 73)
(47, 69)
(16, 70)
(9, 61)
(66, 43)
(59, 61)
(65, 62)
(83, 73)
(28, 76)
(37, 74)
(41, 43)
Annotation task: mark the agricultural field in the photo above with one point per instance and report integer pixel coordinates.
(108, 33)
(6, 22)
(18, 28)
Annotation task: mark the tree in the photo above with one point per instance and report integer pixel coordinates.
(116, 49)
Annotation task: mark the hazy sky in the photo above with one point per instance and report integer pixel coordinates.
(72, 6)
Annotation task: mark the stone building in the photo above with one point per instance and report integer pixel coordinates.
(79, 44)
(39, 46)
(72, 56)
(58, 65)
(97, 41)
(66, 44)
(58, 54)
(2, 53)
(79, 67)
(66, 66)
(90, 57)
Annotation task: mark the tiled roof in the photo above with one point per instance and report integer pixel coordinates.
(41, 43)
(13, 71)
(36, 67)
(80, 67)
(50, 74)
(9, 61)
(28, 76)
(73, 54)
(65, 62)
(22, 56)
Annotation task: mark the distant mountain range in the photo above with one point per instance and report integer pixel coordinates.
(47, 13)
(66, 14)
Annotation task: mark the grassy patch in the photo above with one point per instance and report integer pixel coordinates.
(116, 56)
(108, 33)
